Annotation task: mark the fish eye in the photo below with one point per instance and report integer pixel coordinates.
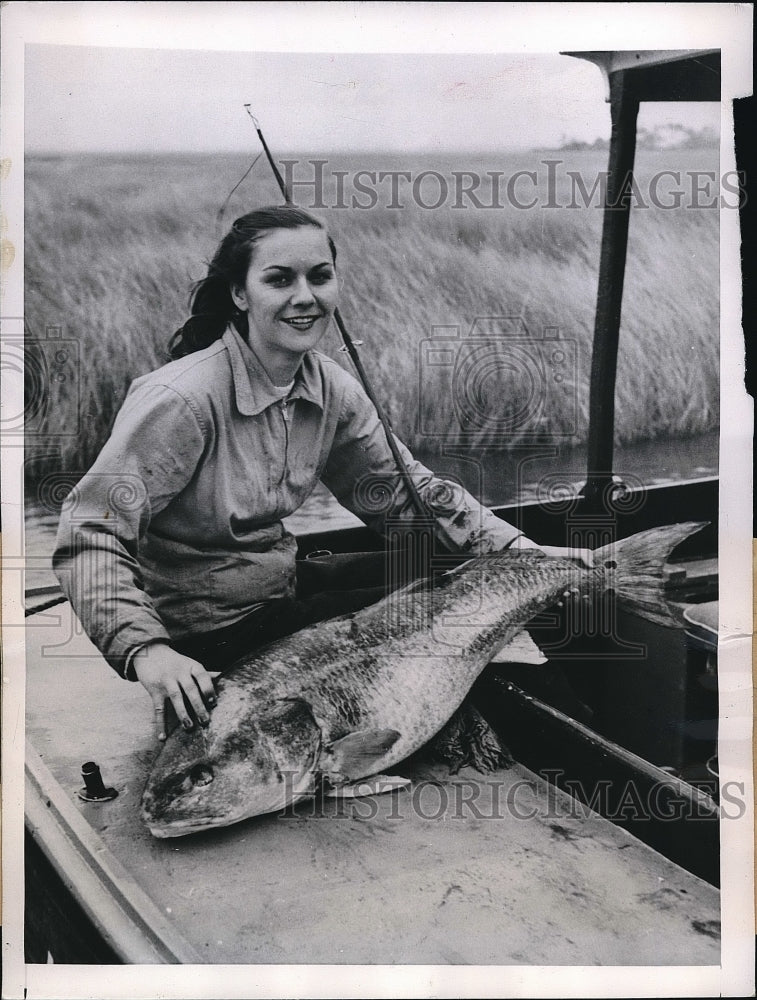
(201, 774)
(611, 564)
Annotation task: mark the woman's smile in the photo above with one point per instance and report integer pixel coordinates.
(302, 322)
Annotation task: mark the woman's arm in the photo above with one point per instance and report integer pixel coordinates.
(362, 474)
(156, 443)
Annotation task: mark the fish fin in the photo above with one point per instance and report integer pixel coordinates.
(467, 740)
(376, 785)
(520, 649)
(635, 569)
(356, 753)
(459, 568)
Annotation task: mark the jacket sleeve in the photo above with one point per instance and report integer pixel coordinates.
(156, 444)
(362, 474)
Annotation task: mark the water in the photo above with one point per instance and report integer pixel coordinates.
(536, 473)
(500, 478)
(496, 477)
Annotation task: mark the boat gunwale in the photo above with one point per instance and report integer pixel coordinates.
(122, 913)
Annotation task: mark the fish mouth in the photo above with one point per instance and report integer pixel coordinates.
(166, 826)
(202, 824)
(182, 828)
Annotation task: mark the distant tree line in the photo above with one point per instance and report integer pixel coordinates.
(673, 136)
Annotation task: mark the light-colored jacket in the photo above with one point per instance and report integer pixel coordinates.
(176, 529)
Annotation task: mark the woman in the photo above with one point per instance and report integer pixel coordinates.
(171, 548)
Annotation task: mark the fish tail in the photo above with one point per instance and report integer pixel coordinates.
(635, 569)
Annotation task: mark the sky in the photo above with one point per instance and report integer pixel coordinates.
(108, 99)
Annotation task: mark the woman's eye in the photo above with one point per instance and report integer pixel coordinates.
(284, 280)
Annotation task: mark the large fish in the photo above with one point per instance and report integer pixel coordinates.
(349, 697)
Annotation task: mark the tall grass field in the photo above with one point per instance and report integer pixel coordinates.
(114, 244)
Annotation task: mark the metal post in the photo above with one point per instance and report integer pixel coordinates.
(624, 107)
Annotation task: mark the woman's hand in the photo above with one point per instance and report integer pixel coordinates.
(585, 556)
(169, 676)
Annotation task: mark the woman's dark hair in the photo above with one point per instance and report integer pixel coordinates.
(211, 304)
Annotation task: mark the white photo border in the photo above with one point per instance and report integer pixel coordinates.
(401, 27)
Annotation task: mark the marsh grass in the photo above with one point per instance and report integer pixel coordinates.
(113, 246)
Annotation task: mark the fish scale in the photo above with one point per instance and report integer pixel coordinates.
(352, 696)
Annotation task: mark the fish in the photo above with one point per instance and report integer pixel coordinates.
(350, 697)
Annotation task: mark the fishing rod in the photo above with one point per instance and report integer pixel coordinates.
(351, 348)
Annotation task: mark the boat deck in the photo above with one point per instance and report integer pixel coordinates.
(493, 870)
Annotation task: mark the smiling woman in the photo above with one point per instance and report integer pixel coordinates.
(171, 549)
(257, 291)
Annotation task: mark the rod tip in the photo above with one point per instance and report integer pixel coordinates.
(254, 119)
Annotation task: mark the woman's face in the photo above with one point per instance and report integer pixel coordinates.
(290, 294)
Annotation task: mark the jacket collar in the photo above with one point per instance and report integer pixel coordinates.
(253, 389)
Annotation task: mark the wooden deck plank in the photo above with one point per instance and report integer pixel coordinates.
(391, 879)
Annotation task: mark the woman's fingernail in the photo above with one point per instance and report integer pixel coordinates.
(187, 723)
(211, 700)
